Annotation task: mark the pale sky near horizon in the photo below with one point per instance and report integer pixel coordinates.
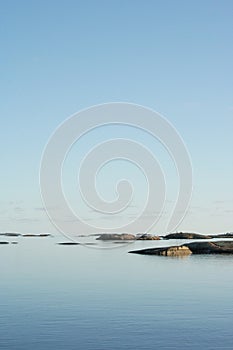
(172, 56)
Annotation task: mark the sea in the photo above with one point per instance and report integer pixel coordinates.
(97, 296)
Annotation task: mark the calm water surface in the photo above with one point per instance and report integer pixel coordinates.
(74, 297)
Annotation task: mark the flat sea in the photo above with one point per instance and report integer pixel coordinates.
(95, 298)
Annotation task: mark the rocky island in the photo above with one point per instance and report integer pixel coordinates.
(126, 237)
(220, 247)
(188, 235)
(116, 237)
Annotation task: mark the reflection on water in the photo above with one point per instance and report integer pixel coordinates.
(80, 297)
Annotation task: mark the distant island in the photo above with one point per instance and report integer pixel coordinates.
(149, 237)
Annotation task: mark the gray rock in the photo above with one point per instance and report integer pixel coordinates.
(220, 247)
(165, 251)
(37, 235)
(11, 234)
(223, 235)
(147, 237)
(116, 236)
(186, 235)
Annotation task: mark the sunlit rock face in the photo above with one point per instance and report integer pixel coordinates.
(221, 247)
(116, 237)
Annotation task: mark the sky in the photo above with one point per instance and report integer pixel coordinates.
(174, 57)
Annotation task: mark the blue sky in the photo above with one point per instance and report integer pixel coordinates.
(172, 56)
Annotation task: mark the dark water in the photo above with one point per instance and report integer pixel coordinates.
(74, 297)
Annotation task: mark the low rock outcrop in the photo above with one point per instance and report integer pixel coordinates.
(44, 235)
(223, 235)
(220, 247)
(186, 235)
(116, 237)
(29, 235)
(147, 237)
(11, 234)
(165, 251)
(68, 243)
(36, 235)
